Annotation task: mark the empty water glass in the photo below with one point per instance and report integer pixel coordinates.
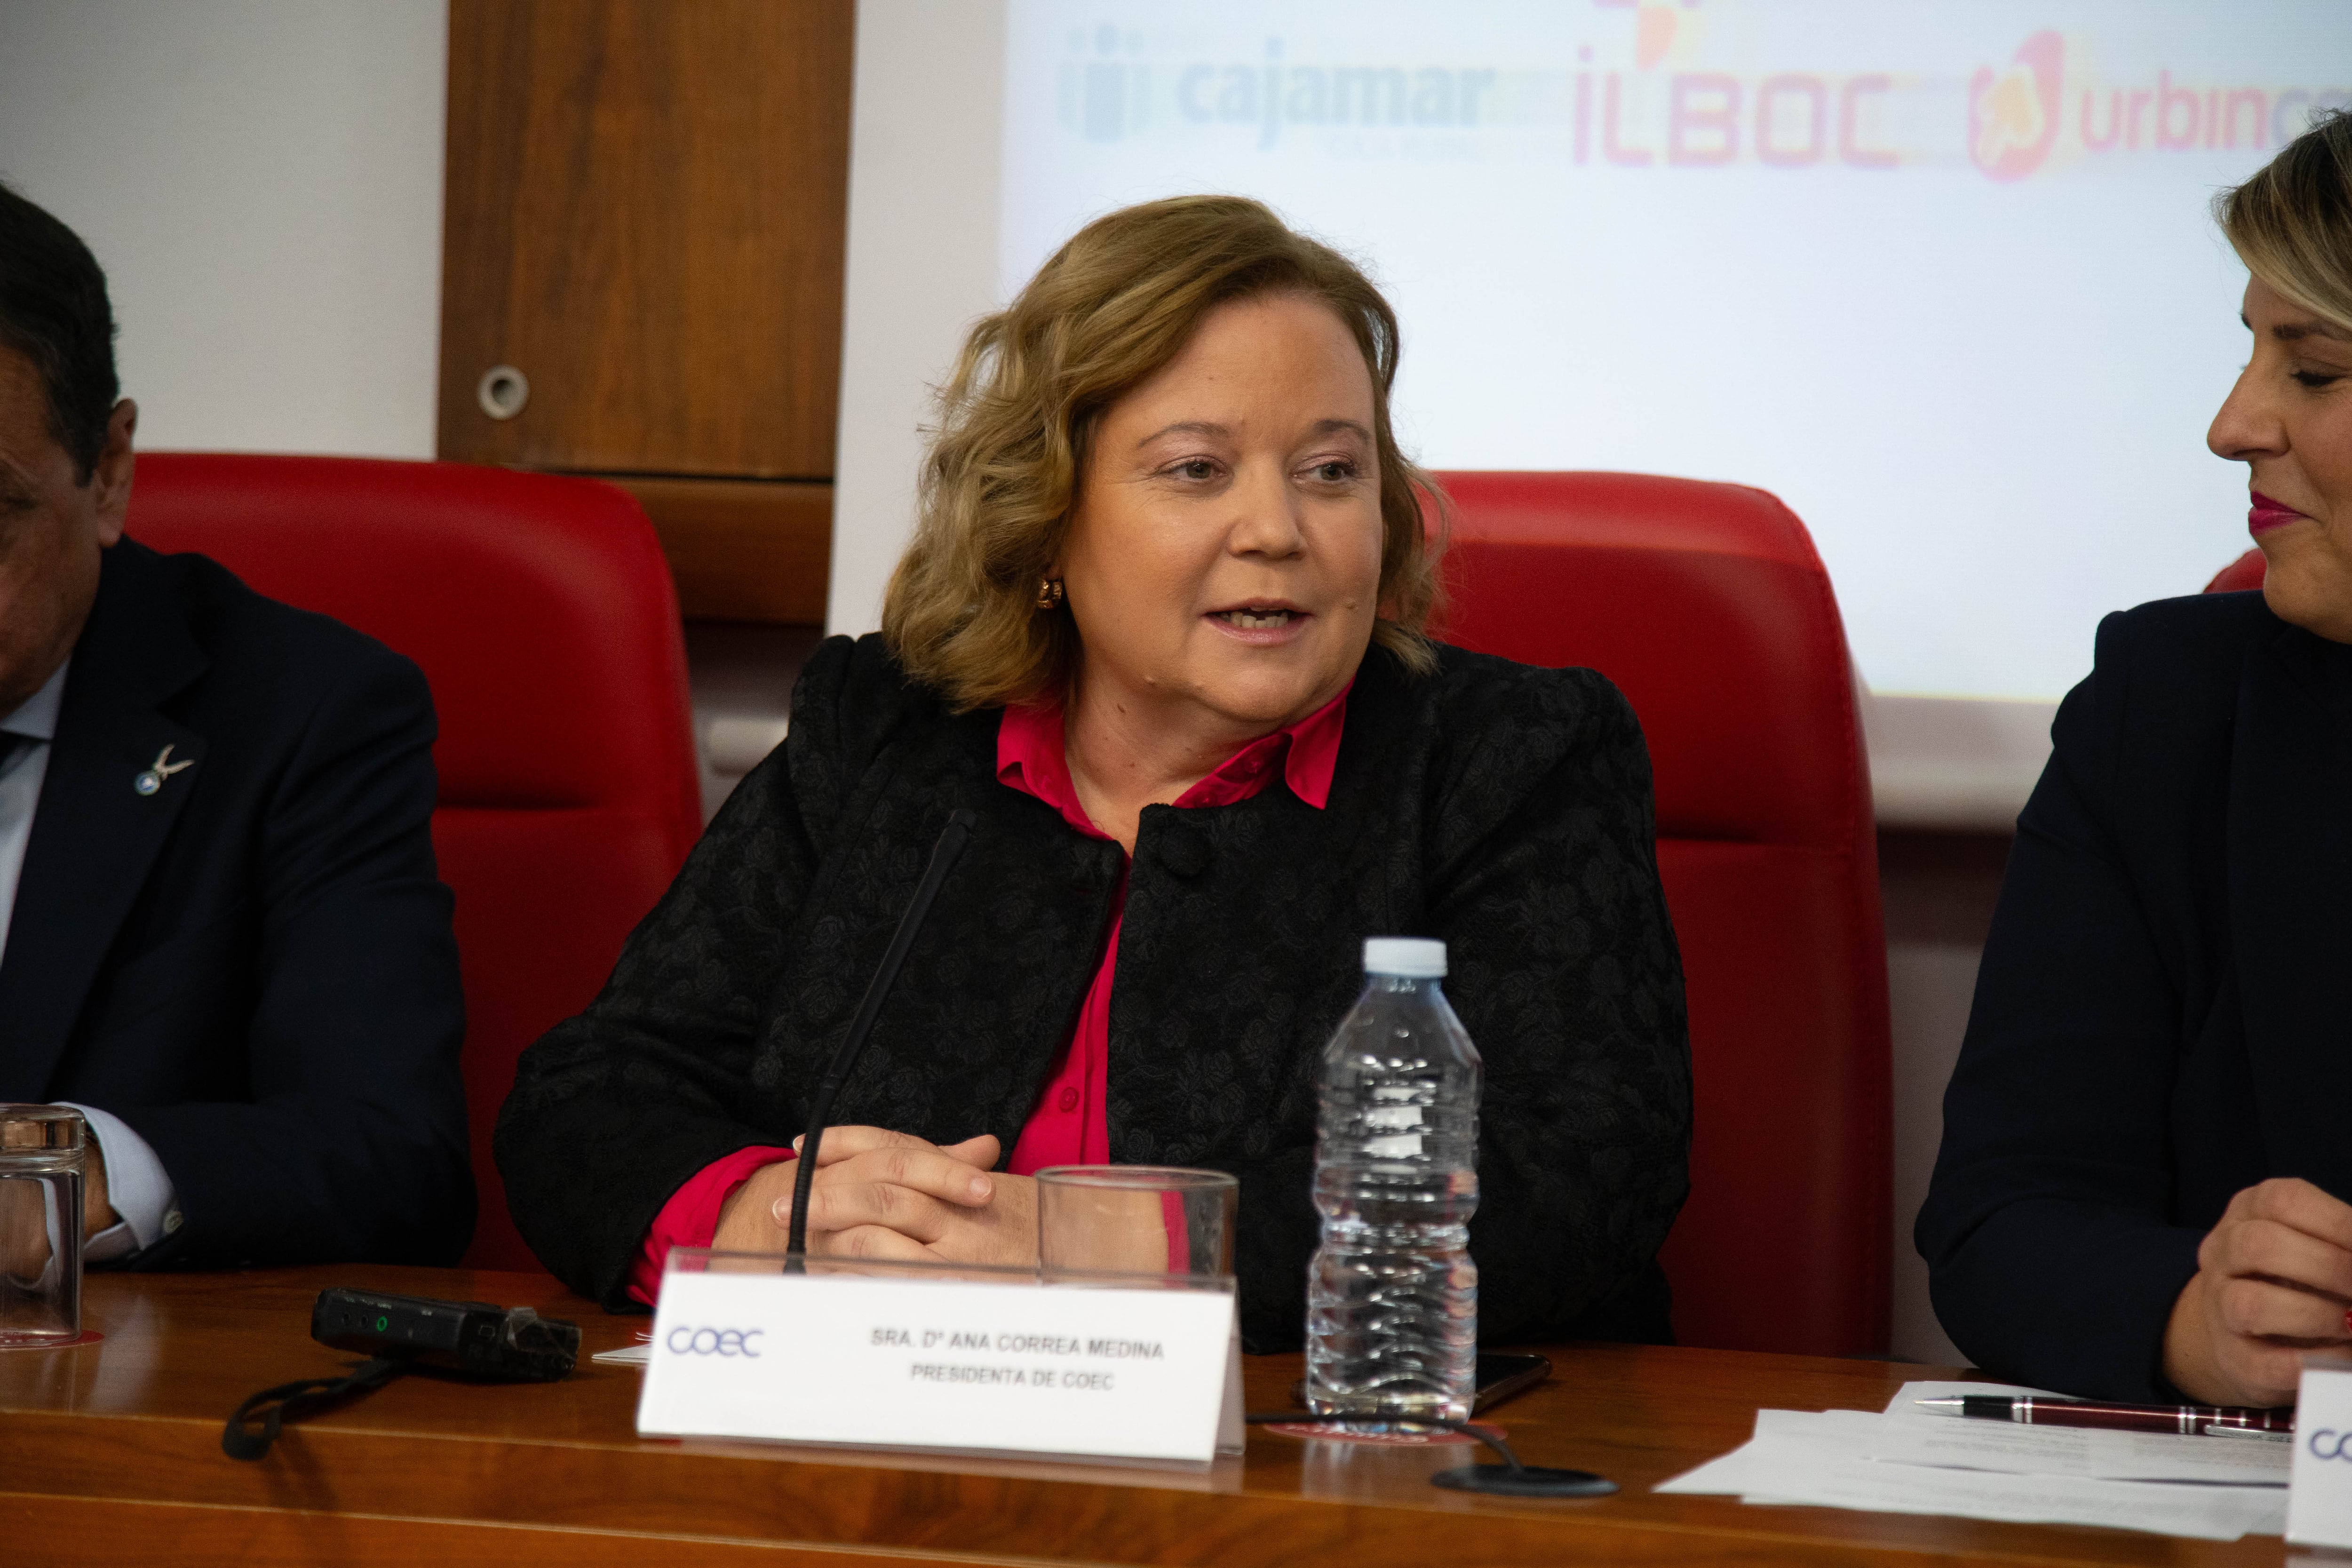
(40, 1224)
(1134, 1219)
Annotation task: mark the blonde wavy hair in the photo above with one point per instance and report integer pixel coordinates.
(2292, 222)
(1110, 309)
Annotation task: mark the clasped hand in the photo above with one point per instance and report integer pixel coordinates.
(884, 1195)
(2273, 1280)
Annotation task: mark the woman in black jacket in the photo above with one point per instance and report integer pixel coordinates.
(2149, 1132)
(1160, 630)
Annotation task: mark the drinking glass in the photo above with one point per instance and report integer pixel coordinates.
(1134, 1219)
(40, 1224)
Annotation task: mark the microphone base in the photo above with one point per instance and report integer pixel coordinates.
(1533, 1480)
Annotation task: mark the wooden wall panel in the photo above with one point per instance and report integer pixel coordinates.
(741, 549)
(645, 213)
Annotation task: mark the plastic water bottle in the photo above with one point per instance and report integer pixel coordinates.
(1393, 1296)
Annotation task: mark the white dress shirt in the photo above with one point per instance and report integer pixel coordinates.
(137, 1186)
(21, 773)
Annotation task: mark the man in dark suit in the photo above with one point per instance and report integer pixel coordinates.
(221, 935)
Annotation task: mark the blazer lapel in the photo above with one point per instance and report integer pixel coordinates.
(98, 829)
(2290, 876)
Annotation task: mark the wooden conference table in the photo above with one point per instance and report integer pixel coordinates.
(111, 1453)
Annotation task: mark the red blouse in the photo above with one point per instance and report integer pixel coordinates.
(1069, 1125)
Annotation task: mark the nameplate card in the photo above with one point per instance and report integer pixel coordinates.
(910, 1361)
(2320, 1484)
(2319, 1488)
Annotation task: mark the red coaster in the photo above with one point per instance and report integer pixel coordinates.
(86, 1337)
(1391, 1439)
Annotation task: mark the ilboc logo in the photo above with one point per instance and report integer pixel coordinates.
(2013, 113)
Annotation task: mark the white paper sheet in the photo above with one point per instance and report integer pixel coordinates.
(1822, 1458)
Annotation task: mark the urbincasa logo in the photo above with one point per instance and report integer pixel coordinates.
(2013, 113)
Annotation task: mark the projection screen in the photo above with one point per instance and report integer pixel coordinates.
(1941, 274)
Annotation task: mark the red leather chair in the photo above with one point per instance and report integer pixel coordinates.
(1709, 607)
(2246, 572)
(542, 613)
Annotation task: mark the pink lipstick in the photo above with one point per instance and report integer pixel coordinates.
(2266, 514)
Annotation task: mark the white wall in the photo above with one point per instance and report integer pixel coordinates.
(262, 180)
(921, 265)
(1955, 762)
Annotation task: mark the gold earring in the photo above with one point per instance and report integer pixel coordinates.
(1049, 594)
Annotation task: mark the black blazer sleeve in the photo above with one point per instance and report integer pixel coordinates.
(1564, 968)
(353, 1144)
(2052, 1257)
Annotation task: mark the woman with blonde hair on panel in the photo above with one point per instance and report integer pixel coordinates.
(2148, 1142)
(1160, 628)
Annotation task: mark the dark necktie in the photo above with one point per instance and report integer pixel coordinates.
(11, 744)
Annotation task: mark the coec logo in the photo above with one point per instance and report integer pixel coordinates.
(728, 1343)
(2328, 1444)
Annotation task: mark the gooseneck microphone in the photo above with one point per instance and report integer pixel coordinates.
(943, 857)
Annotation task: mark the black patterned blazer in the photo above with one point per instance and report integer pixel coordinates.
(1502, 808)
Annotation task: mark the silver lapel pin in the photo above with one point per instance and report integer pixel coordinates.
(164, 767)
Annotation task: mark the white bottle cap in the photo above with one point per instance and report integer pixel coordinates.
(1408, 957)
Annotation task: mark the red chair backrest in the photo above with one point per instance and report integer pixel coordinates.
(2246, 572)
(1709, 607)
(542, 613)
